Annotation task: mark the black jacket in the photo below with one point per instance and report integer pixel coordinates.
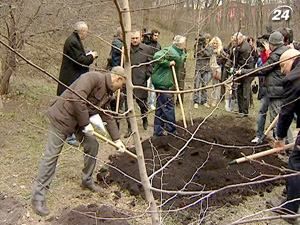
(141, 54)
(291, 103)
(242, 56)
(74, 56)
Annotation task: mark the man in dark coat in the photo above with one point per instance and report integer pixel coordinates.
(290, 107)
(140, 53)
(242, 58)
(75, 61)
(70, 114)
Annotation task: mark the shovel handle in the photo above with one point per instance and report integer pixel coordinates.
(103, 138)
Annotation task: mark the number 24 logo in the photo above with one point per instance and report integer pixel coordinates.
(281, 13)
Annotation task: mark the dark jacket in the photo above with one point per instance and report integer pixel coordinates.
(291, 102)
(74, 55)
(202, 56)
(69, 113)
(116, 54)
(242, 56)
(140, 54)
(272, 74)
(155, 47)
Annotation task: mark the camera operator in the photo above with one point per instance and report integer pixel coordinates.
(203, 52)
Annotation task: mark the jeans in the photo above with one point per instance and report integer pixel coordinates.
(262, 115)
(201, 80)
(164, 114)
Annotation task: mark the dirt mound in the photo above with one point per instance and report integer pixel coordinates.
(200, 166)
(92, 215)
(11, 210)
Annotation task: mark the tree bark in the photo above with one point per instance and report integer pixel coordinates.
(138, 146)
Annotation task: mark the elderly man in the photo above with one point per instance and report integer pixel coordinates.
(70, 114)
(140, 53)
(290, 107)
(75, 61)
(162, 79)
(242, 58)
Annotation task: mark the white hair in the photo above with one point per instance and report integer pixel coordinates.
(80, 25)
(238, 35)
(178, 39)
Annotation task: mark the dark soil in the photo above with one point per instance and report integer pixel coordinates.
(91, 215)
(213, 160)
(11, 210)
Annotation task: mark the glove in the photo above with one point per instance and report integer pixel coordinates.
(98, 123)
(88, 130)
(121, 147)
(254, 88)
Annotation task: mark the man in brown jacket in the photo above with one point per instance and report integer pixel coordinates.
(70, 114)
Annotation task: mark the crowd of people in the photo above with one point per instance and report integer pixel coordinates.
(73, 120)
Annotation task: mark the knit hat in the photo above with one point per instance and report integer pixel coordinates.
(118, 70)
(276, 38)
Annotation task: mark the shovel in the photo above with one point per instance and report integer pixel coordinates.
(103, 138)
(261, 154)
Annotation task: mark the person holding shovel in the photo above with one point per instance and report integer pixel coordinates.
(162, 79)
(70, 114)
(290, 106)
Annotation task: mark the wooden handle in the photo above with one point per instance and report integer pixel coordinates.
(179, 97)
(119, 91)
(261, 154)
(271, 125)
(100, 136)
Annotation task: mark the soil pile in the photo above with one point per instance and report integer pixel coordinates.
(92, 215)
(201, 166)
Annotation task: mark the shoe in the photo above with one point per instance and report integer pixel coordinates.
(40, 208)
(128, 134)
(206, 105)
(145, 123)
(92, 187)
(196, 106)
(213, 105)
(255, 140)
(275, 202)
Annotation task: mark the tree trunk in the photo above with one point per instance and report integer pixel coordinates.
(138, 146)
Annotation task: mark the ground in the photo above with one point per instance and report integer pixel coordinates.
(23, 129)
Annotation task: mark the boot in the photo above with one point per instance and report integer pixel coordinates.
(129, 132)
(92, 187)
(40, 208)
(227, 105)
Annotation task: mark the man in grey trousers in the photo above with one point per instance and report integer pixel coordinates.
(69, 114)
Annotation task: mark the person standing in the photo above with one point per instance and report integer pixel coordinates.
(75, 60)
(290, 107)
(70, 114)
(203, 52)
(155, 46)
(162, 79)
(140, 53)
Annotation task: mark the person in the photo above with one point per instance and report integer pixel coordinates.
(273, 76)
(290, 107)
(140, 53)
(155, 46)
(75, 62)
(70, 114)
(162, 79)
(242, 58)
(115, 54)
(263, 48)
(217, 59)
(202, 53)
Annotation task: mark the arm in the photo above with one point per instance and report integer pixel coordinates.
(78, 55)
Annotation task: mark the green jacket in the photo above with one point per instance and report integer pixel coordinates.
(162, 75)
